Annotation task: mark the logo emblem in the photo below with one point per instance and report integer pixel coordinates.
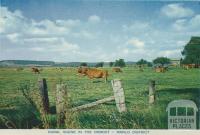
(182, 114)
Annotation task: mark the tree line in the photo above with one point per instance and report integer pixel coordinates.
(190, 53)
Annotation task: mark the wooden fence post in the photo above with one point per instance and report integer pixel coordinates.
(152, 92)
(44, 94)
(61, 104)
(119, 95)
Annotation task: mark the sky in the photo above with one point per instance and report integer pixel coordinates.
(92, 31)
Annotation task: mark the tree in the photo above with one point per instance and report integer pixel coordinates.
(191, 51)
(111, 64)
(142, 62)
(120, 63)
(149, 64)
(100, 64)
(161, 60)
(83, 64)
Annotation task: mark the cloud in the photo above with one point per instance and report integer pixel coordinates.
(83, 33)
(94, 19)
(37, 49)
(52, 45)
(180, 24)
(195, 21)
(65, 47)
(136, 43)
(14, 37)
(188, 25)
(15, 22)
(68, 23)
(78, 40)
(11, 22)
(181, 43)
(170, 53)
(136, 26)
(176, 10)
(42, 40)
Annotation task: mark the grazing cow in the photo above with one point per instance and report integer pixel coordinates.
(116, 69)
(188, 66)
(82, 70)
(61, 69)
(35, 70)
(97, 73)
(197, 65)
(160, 69)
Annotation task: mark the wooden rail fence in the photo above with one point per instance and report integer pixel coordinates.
(62, 104)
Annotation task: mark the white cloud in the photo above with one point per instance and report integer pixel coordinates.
(176, 10)
(136, 43)
(170, 53)
(125, 51)
(47, 27)
(51, 45)
(188, 25)
(181, 43)
(65, 47)
(37, 49)
(83, 34)
(68, 23)
(180, 24)
(14, 37)
(42, 40)
(75, 40)
(15, 22)
(136, 26)
(195, 21)
(94, 19)
(11, 22)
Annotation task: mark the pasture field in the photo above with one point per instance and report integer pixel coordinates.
(174, 84)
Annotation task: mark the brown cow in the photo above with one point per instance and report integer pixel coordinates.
(97, 73)
(116, 69)
(35, 70)
(188, 66)
(160, 69)
(61, 69)
(82, 70)
(197, 66)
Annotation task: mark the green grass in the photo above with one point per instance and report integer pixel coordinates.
(175, 84)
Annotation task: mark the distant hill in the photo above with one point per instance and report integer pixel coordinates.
(14, 63)
(25, 63)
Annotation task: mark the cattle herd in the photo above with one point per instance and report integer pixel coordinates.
(188, 66)
(103, 73)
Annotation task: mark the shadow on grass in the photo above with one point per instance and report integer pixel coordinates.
(52, 109)
(97, 81)
(167, 95)
(22, 117)
(180, 91)
(173, 92)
